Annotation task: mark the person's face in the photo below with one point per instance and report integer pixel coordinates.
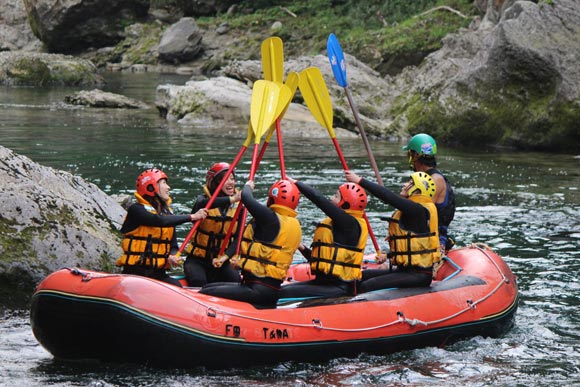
(406, 187)
(164, 189)
(229, 187)
(336, 198)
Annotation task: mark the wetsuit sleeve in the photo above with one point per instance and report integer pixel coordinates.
(346, 229)
(267, 224)
(202, 200)
(414, 216)
(137, 216)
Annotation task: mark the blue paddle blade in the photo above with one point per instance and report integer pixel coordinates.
(336, 58)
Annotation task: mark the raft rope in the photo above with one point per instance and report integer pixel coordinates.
(317, 323)
(212, 311)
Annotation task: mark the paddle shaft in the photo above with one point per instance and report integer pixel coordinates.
(255, 163)
(345, 167)
(363, 135)
(280, 150)
(338, 65)
(240, 206)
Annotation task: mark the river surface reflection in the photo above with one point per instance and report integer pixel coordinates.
(524, 205)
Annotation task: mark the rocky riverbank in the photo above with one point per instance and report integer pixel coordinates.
(510, 80)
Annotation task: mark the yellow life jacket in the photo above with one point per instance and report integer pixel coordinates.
(415, 249)
(208, 239)
(272, 259)
(146, 245)
(331, 258)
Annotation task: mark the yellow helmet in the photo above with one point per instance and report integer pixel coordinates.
(423, 183)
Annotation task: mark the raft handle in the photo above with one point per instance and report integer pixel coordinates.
(317, 323)
(211, 312)
(85, 277)
(471, 304)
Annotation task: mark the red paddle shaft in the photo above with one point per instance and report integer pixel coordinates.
(345, 167)
(213, 197)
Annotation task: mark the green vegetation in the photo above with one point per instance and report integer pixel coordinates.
(370, 30)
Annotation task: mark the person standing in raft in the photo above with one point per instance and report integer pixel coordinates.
(338, 244)
(421, 151)
(209, 237)
(413, 237)
(267, 247)
(149, 241)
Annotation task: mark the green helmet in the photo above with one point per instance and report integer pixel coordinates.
(423, 144)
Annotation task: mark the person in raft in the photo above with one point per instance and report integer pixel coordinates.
(209, 237)
(413, 234)
(267, 247)
(338, 245)
(421, 151)
(149, 241)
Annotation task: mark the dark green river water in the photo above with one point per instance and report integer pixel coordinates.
(526, 206)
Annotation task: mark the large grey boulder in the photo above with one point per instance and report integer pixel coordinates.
(51, 219)
(181, 42)
(39, 69)
(516, 82)
(225, 102)
(68, 26)
(366, 86)
(102, 99)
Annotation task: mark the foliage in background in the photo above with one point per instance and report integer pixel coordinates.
(374, 31)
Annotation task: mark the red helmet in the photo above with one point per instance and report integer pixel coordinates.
(147, 182)
(352, 196)
(284, 193)
(213, 172)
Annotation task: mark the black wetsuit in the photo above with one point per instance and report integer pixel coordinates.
(137, 215)
(346, 231)
(445, 211)
(415, 218)
(261, 292)
(200, 270)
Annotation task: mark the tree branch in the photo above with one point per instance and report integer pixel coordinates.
(288, 11)
(445, 8)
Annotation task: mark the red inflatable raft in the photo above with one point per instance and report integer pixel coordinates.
(80, 314)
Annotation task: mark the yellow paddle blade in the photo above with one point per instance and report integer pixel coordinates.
(315, 93)
(264, 106)
(250, 136)
(292, 84)
(286, 95)
(273, 59)
(284, 100)
(292, 81)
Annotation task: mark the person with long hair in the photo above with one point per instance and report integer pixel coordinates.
(209, 238)
(149, 241)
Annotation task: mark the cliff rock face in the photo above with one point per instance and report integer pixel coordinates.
(516, 82)
(15, 32)
(51, 219)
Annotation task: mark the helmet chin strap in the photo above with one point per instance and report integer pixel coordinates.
(411, 161)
